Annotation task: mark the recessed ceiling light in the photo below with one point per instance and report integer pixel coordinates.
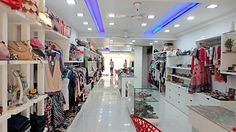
(167, 30)
(130, 43)
(133, 41)
(80, 14)
(151, 43)
(151, 16)
(111, 40)
(111, 15)
(111, 23)
(176, 25)
(212, 6)
(85, 23)
(144, 24)
(90, 29)
(71, 2)
(190, 18)
(156, 41)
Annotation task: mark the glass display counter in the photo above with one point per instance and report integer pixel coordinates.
(146, 104)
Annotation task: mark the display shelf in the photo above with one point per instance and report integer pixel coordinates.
(232, 52)
(4, 117)
(185, 78)
(228, 73)
(73, 61)
(26, 105)
(3, 63)
(178, 85)
(180, 68)
(53, 35)
(18, 62)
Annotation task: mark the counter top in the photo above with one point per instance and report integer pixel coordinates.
(219, 115)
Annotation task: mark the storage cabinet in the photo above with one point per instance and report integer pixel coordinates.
(180, 98)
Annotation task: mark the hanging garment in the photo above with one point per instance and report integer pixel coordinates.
(71, 88)
(65, 92)
(57, 110)
(217, 56)
(48, 113)
(201, 74)
(53, 75)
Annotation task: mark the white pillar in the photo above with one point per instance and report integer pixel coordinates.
(138, 72)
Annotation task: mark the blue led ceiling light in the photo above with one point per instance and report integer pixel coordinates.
(176, 12)
(93, 8)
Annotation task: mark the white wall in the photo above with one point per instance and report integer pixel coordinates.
(138, 63)
(118, 59)
(211, 29)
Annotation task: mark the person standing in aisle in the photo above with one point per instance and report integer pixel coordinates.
(125, 64)
(111, 67)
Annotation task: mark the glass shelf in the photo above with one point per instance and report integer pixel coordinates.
(146, 104)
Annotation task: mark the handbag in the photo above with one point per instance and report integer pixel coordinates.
(44, 18)
(4, 52)
(23, 50)
(14, 4)
(36, 43)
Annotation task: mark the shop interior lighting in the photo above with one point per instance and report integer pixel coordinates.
(190, 18)
(212, 6)
(111, 15)
(176, 25)
(71, 2)
(94, 10)
(167, 31)
(151, 16)
(85, 23)
(80, 14)
(173, 14)
(144, 24)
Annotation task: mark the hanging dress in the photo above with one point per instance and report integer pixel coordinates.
(53, 80)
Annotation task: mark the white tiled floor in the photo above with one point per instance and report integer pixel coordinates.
(104, 111)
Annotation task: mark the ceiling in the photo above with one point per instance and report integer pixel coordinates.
(133, 26)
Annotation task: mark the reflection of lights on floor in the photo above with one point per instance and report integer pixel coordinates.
(99, 120)
(110, 112)
(109, 124)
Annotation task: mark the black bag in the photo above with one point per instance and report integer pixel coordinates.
(37, 123)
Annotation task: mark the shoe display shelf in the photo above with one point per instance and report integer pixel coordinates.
(146, 104)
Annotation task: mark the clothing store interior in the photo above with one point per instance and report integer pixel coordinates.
(117, 65)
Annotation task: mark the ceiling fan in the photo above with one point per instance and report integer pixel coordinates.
(138, 14)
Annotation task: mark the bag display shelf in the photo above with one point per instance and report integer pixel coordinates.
(53, 35)
(73, 61)
(3, 63)
(180, 68)
(228, 73)
(18, 62)
(180, 77)
(26, 105)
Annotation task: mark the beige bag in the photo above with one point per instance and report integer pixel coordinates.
(21, 49)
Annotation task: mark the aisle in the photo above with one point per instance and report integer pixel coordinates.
(104, 111)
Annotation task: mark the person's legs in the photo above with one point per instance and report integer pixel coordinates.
(111, 71)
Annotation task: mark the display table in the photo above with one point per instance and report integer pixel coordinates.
(123, 80)
(212, 118)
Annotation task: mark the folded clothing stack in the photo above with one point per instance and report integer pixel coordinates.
(18, 123)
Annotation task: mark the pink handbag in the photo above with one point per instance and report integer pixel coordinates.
(36, 43)
(4, 52)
